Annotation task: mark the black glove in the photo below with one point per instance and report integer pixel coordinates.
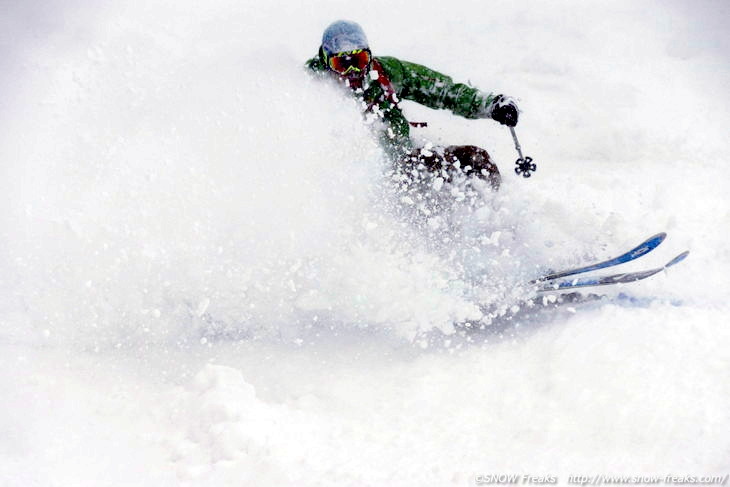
(505, 111)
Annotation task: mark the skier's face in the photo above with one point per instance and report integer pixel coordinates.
(344, 63)
(351, 66)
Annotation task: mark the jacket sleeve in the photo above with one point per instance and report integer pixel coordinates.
(435, 90)
(316, 64)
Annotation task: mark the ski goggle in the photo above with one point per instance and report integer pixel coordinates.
(346, 62)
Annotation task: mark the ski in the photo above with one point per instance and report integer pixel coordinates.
(643, 248)
(611, 279)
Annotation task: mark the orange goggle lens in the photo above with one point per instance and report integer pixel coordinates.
(350, 61)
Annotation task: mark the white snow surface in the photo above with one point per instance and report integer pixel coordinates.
(206, 278)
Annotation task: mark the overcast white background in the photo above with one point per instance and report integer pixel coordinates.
(203, 280)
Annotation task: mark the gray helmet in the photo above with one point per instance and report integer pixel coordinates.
(343, 36)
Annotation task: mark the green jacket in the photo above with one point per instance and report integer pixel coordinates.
(417, 83)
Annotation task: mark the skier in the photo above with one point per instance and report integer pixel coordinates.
(381, 82)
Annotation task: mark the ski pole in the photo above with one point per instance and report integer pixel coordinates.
(525, 166)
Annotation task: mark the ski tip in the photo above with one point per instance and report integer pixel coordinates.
(646, 246)
(677, 259)
(657, 239)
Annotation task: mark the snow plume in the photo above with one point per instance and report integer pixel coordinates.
(165, 190)
(170, 176)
